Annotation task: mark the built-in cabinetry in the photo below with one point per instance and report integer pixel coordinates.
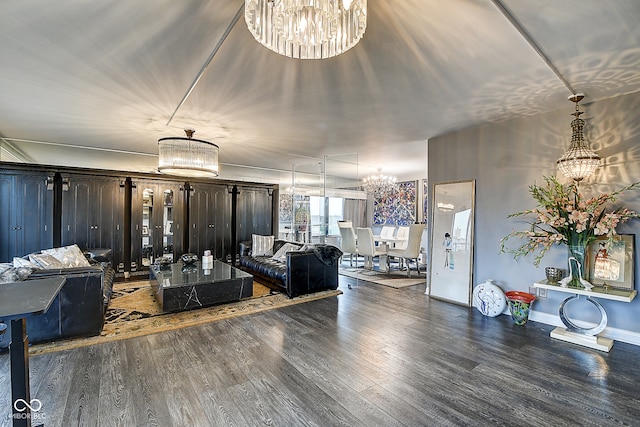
(157, 218)
(92, 213)
(26, 212)
(210, 219)
(140, 217)
(254, 212)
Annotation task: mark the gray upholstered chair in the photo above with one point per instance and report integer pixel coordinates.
(412, 251)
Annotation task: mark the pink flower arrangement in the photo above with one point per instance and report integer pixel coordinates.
(564, 216)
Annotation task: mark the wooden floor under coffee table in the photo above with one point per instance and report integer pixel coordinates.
(184, 287)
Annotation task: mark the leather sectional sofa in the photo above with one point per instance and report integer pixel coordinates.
(312, 269)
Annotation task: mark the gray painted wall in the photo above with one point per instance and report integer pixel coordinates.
(505, 158)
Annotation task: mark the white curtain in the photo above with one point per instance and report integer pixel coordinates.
(355, 210)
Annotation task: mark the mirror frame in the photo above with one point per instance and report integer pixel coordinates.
(451, 256)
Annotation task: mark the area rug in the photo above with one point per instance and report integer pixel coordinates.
(396, 279)
(133, 312)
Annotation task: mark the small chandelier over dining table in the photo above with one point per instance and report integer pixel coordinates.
(187, 156)
(307, 29)
(579, 161)
(379, 185)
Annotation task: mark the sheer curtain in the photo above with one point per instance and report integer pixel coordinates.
(355, 210)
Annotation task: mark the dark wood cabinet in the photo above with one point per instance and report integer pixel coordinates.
(157, 221)
(254, 212)
(210, 219)
(92, 213)
(26, 213)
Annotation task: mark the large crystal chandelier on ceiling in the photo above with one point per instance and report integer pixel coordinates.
(307, 29)
(579, 161)
(379, 185)
(187, 156)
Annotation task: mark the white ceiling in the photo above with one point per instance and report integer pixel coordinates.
(109, 74)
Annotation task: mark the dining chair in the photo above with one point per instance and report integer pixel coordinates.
(387, 232)
(367, 246)
(402, 237)
(348, 244)
(412, 251)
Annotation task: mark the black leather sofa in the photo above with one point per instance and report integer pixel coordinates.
(311, 270)
(78, 310)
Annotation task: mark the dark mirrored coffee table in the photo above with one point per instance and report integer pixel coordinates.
(181, 287)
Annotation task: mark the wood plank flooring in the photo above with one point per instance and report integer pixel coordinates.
(374, 356)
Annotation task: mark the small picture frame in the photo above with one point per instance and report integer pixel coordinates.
(145, 230)
(612, 265)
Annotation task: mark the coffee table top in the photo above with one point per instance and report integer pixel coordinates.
(178, 275)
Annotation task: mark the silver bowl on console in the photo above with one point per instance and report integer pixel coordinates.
(554, 274)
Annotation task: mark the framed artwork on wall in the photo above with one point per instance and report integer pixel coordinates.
(613, 264)
(398, 208)
(452, 230)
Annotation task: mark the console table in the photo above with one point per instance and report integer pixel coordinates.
(586, 336)
(18, 301)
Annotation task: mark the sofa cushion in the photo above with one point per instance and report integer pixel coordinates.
(70, 256)
(266, 267)
(261, 245)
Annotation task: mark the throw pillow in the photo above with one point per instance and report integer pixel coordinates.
(21, 262)
(70, 256)
(281, 255)
(45, 261)
(261, 245)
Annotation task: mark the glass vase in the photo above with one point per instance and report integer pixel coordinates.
(577, 265)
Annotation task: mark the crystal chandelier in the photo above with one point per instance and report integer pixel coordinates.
(379, 184)
(187, 156)
(579, 161)
(307, 29)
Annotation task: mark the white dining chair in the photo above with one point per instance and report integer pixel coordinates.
(368, 249)
(387, 232)
(402, 237)
(412, 251)
(348, 244)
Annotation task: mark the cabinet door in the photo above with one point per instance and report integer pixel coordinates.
(254, 213)
(26, 214)
(156, 221)
(209, 220)
(7, 224)
(34, 213)
(92, 212)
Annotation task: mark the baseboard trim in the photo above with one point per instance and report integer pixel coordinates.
(629, 337)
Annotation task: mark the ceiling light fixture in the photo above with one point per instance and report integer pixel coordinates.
(187, 156)
(307, 29)
(379, 184)
(579, 161)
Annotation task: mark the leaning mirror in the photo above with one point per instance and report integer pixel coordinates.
(451, 266)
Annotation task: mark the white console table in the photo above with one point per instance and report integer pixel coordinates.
(586, 336)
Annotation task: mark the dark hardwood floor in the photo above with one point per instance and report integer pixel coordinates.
(374, 356)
